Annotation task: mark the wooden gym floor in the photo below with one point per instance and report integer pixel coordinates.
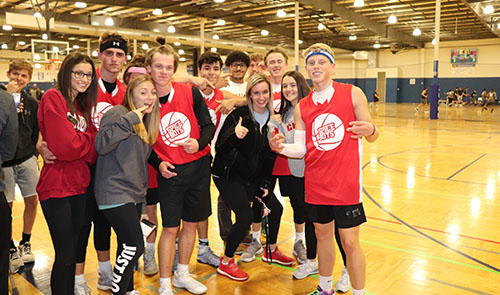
(432, 198)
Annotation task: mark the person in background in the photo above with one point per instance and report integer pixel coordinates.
(135, 68)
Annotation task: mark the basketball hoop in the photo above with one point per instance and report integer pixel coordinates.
(54, 64)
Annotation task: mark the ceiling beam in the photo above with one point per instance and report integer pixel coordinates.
(483, 21)
(350, 15)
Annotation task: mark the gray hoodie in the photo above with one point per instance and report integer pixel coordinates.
(121, 174)
(287, 128)
(8, 130)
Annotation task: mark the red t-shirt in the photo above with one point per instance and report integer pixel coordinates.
(178, 123)
(333, 159)
(72, 142)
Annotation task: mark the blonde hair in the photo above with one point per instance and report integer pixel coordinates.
(276, 49)
(164, 48)
(256, 57)
(20, 64)
(148, 129)
(317, 47)
(254, 80)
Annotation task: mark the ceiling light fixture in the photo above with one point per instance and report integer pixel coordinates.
(81, 4)
(359, 3)
(55, 49)
(37, 14)
(22, 43)
(433, 42)
(38, 66)
(157, 11)
(94, 53)
(392, 19)
(213, 49)
(264, 32)
(215, 37)
(488, 9)
(181, 51)
(145, 46)
(109, 22)
(4, 46)
(37, 56)
(45, 36)
(376, 45)
(182, 59)
(76, 46)
(353, 37)
(177, 43)
(281, 13)
(417, 32)
(219, 1)
(300, 41)
(171, 29)
(7, 27)
(221, 22)
(321, 27)
(129, 57)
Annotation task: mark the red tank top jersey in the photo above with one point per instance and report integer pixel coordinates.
(333, 159)
(153, 181)
(105, 100)
(178, 123)
(281, 163)
(212, 105)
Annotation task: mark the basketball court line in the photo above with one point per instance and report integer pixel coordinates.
(465, 167)
(458, 287)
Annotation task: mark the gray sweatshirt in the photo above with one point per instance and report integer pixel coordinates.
(121, 174)
(287, 128)
(8, 130)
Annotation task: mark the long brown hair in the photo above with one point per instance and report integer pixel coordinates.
(148, 129)
(84, 101)
(303, 90)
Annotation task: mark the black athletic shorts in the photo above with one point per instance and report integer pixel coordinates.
(345, 216)
(187, 195)
(152, 196)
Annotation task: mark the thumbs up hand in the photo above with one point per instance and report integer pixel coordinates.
(239, 130)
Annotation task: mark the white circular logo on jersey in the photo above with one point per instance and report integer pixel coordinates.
(79, 122)
(174, 128)
(100, 109)
(277, 105)
(327, 132)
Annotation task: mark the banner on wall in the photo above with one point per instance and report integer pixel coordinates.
(465, 57)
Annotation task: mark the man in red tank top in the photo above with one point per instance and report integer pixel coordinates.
(330, 124)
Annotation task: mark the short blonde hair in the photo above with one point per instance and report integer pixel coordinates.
(21, 64)
(256, 57)
(254, 80)
(317, 47)
(162, 49)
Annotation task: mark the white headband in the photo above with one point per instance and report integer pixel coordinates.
(321, 52)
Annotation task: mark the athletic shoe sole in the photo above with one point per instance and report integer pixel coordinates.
(207, 263)
(230, 276)
(277, 261)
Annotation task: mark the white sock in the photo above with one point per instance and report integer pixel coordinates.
(105, 266)
(182, 268)
(256, 235)
(79, 279)
(165, 283)
(299, 236)
(358, 292)
(326, 283)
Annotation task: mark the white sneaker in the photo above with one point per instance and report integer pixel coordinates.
(343, 284)
(104, 280)
(150, 266)
(133, 292)
(25, 251)
(16, 261)
(186, 281)
(252, 250)
(165, 291)
(306, 269)
(82, 288)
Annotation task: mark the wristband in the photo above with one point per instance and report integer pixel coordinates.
(373, 129)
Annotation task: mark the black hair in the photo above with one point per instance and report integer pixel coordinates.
(237, 56)
(209, 57)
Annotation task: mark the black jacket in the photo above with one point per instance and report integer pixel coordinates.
(28, 130)
(249, 158)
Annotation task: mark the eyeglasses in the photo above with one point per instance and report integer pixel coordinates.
(80, 75)
(238, 65)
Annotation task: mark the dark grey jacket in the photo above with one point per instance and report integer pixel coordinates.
(8, 130)
(121, 174)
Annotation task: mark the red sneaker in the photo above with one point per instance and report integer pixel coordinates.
(232, 271)
(277, 257)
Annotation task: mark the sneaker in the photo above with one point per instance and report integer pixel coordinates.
(82, 288)
(16, 262)
(416, 109)
(104, 280)
(25, 250)
(306, 269)
(186, 281)
(165, 291)
(277, 257)
(320, 291)
(343, 284)
(247, 240)
(232, 271)
(207, 256)
(150, 266)
(133, 292)
(239, 250)
(299, 251)
(249, 254)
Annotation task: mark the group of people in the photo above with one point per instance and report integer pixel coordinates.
(245, 132)
(464, 97)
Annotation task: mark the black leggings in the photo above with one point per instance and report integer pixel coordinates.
(236, 194)
(339, 244)
(64, 217)
(5, 228)
(125, 221)
(102, 228)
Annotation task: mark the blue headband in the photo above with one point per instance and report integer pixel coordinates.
(321, 52)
